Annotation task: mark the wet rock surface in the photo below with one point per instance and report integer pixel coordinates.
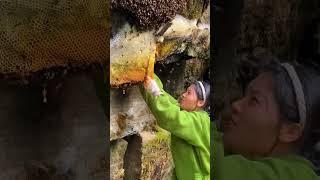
(117, 152)
(64, 139)
(129, 114)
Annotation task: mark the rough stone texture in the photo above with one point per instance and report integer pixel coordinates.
(183, 35)
(132, 159)
(62, 139)
(250, 33)
(194, 9)
(200, 44)
(82, 109)
(205, 18)
(176, 77)
(180, 27)
(157, 162)
(149, 14)
(270, 25)
(129, 113)
(117, 151)
(148, 156)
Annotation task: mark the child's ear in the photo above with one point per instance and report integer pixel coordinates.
(200, 103)
(290, 132)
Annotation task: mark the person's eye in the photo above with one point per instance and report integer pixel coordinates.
(254, 99)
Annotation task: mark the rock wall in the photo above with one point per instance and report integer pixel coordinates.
(170, 38)
(251, 33)
(58, 135)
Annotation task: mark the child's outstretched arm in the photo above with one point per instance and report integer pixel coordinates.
(190, 126)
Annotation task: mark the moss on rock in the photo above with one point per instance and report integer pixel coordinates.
(157, 161)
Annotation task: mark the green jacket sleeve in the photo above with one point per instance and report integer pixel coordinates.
(189, 126)
(232, 167)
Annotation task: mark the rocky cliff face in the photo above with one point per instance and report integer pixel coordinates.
(251, 33)
(58, 135)
(170, 38)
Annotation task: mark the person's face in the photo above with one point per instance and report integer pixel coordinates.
(189, 100)
(252, 130)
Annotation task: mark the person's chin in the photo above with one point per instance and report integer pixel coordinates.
(181, 106)
(228, 143)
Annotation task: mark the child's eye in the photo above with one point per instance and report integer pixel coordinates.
(254, 99)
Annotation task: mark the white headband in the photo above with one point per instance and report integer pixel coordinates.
(298, 91)
(203, 91)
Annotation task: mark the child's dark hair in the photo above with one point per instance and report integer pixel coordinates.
(199, 91)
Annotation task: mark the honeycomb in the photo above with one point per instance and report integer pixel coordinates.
(42, 34)
(132, 56)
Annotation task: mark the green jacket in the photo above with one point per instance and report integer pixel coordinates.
(190, 135)
(232, 167)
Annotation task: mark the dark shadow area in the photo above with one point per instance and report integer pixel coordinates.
(132, 158)
(58, 135)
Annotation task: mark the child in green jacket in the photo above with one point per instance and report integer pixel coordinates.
(188, 124)
(269, 128)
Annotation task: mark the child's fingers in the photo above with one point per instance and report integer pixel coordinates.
(147, 81)
(149, 78)
(151, 86)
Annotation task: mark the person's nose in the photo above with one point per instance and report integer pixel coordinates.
(236, 106)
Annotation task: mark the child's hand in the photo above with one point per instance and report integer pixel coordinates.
(151, 86)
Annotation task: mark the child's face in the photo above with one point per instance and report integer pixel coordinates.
(189, 100)
(252, 128)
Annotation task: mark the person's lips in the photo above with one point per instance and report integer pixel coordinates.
(229, 123)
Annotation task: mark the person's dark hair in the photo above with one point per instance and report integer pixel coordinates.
(199, 92)
(285, 98)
